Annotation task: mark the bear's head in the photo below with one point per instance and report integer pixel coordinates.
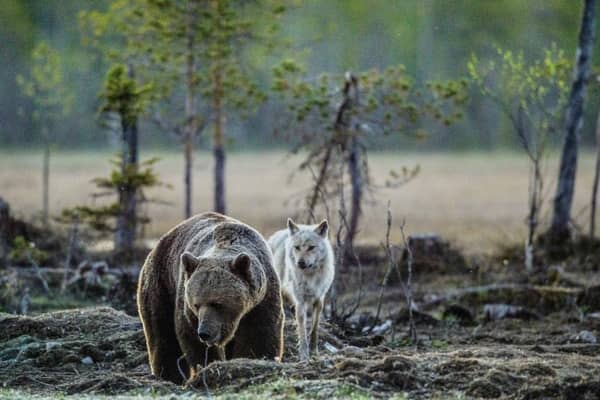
(218, 292)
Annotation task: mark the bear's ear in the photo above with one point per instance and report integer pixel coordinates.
(189, 262)
(293, 228)
(322, 228)
(241, 266)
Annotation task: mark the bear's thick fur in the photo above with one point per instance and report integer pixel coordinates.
(210, 280)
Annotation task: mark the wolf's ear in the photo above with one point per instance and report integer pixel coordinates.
(241, 266)
(293, 228)
(190, 263)
(323, 228)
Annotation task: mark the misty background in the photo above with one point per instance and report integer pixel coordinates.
(432, 38)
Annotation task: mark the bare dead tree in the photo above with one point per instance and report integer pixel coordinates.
(391, 266)
(331, 122)
(342, 146)
(341, 251)
(408, 289)
(70, 249)
(339, 257)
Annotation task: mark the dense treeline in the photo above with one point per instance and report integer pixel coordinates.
(432, 38)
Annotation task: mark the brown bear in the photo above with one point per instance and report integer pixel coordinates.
(209, 282)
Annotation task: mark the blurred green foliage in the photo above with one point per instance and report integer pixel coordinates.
(123, 96)
(45, 86)
(537, 89)
(390, 100)
(434, 39)
(23, 252)
(102, 217)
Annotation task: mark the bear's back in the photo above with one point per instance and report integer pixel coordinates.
(162, 263)
(204, 233)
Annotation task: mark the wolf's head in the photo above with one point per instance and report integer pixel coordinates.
(308, 244)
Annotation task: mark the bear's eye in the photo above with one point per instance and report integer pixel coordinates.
(310, 248)
(297, 248)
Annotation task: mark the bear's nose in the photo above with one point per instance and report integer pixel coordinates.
(302, 264)
(204, 335)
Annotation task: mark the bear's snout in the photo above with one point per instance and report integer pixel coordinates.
(302, 264)
(203, 334)
(207, 335)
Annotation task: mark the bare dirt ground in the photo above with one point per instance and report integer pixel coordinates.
(476, 200)
(467, 348)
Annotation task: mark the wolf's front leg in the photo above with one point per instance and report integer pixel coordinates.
(314, 333)
(301, 326)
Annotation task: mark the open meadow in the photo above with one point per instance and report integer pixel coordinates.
(476, 200)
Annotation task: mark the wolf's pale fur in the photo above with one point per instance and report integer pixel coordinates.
(303, 259)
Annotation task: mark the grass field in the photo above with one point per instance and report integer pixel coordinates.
(475, 199)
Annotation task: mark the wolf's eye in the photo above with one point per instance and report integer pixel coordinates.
(311, 248)
(297, 248)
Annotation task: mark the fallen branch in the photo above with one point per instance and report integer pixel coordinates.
(480, 290)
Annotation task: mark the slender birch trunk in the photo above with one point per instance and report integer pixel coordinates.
(574, 119)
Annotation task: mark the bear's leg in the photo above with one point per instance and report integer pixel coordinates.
(195, 350)
(163, 348)
(260, 333)
(301, 328)
(314, 333)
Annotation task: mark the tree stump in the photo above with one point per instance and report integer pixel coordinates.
(432, 254)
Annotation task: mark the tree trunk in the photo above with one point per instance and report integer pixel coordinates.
(46, 183)
(219, 154)
(319, 182)
(187, 174)
(4, 228)
(218, 148)
(356, 186)
(596, 179)
(126, 226)
(563, 200)
(190, 106)
(535, 191)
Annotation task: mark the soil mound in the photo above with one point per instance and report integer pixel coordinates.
(101, 350)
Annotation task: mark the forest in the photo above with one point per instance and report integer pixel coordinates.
(299, 199)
